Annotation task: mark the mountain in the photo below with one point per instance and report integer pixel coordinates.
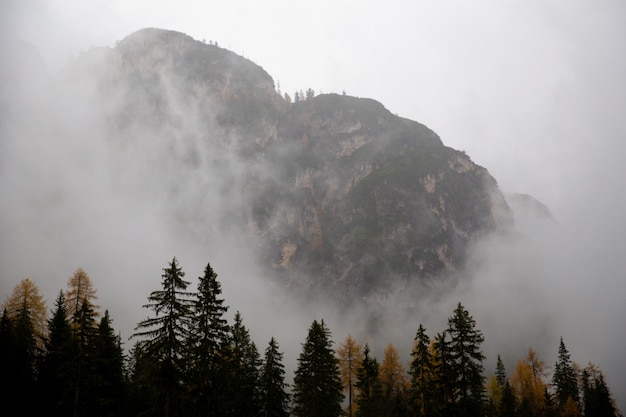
(334, 192)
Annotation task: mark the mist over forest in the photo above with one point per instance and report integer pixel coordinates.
(121, 206)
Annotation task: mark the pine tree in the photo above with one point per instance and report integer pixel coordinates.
(465, 341)
(369, 391)
(208, 343)
(421, 371)
(350, 356)
(318, 391)
(274, 397)
(165, 337)
(564, 377)
(500, 372)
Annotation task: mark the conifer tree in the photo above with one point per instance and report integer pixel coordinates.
(57, 370)
(350, 356)
(27, 294)
(165, 337)
(208, 343)
(393, 381)
(111, 389)
(564, 377)
(274, 397)
(597, 399)
(369, 391)
(465, 341)
(421, 371)
(243, 380)
(444, 376)
(79, 289)
(318, 391)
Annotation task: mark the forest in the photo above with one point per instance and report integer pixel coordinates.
(188, 360)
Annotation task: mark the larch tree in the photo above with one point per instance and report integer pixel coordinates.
(393, 381)
(528, 383)
(465, 341)
(79, 289)
(564, 378)
(274, 396)
(165, 336)
(350, 356)
(317, 390)
(26, 295)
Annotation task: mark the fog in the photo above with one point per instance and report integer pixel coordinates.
(533, 91)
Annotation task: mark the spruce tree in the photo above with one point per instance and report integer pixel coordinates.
(112, 384)
(421, 371)
(369, 398)
(242, 399)
(274, 397)
(318, 391)
(564, 378)
(57, 369)
(465, 341)
(165, 336)
(207, 344)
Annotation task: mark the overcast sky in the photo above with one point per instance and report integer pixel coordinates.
(535, 91)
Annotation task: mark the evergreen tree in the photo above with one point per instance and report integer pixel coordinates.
(444, 376)
(597, 399)
(465, 341)
(165, 338)
(369, 391)
(421, 371)
(208, 342)
(274, 397)
(58, 367)
(111, 389)
(500, 372)
(507, 404)
(318, 391)
(564, 377)
(85, 376)
(24, 294)
(243, 379)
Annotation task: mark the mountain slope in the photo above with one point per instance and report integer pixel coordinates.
(335, 192)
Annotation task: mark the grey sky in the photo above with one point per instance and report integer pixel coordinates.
(535, 91)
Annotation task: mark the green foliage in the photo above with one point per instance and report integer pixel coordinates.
(274, 396)
(564, 377)
(318, 391)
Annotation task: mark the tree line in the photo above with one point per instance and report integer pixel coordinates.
(187, 360)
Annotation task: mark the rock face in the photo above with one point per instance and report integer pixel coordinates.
(339, 194)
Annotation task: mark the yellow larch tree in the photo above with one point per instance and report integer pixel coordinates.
(528, 383)
(350, 355)
(392, 374)
(80, 289)
(26, 296)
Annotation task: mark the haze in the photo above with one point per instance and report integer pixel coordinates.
(535, 91)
